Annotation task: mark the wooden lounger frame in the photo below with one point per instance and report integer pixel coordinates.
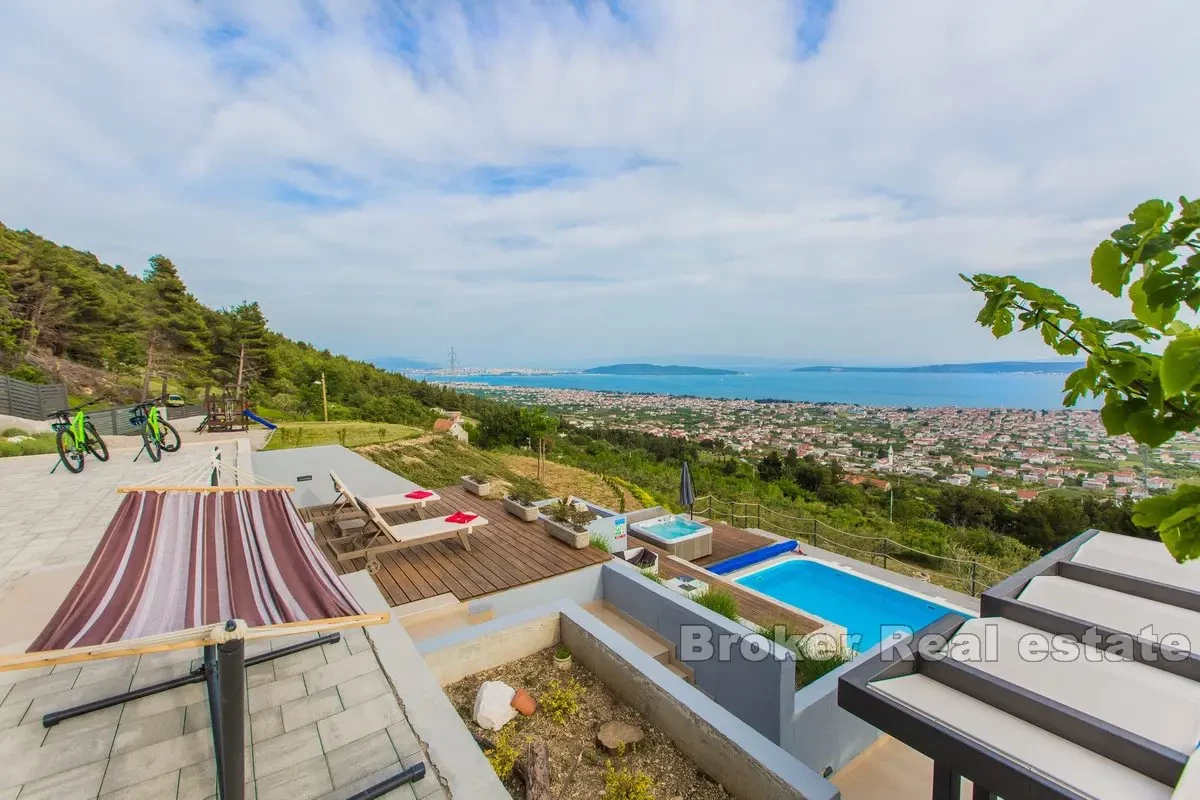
(346, 506)
(383, 530)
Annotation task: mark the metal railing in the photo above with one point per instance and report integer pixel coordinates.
(972, 576)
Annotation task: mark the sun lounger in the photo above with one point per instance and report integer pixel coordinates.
(350, 519)
(386, 537)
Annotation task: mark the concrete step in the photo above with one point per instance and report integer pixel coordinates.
(682, 670)
(642, 638)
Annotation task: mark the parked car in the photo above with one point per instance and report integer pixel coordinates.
(175, 401)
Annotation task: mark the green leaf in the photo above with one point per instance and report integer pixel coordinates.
(1146, 428)
(1157, 318)
(1114, 416)
(1150, 214)
(1179, 369)
(1107, 271)
(1002, 325)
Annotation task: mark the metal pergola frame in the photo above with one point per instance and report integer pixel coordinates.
(223, 671)
(957, 755)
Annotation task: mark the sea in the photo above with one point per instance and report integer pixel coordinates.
(1032, 390)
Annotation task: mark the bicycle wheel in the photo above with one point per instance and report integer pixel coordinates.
(169, 437)
(70, 454)
(95, 445)
(153, 448)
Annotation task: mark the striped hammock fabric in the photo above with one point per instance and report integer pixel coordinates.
(173, 560)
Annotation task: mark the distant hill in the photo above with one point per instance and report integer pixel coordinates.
(401, 363)
(655, 369)
(984, 368)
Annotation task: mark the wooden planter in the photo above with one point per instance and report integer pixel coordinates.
(577, 539)
(471, 486)
(525, 513)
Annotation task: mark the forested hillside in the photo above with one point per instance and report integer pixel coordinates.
(60, 303)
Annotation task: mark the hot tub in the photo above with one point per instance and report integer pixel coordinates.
(676, 534)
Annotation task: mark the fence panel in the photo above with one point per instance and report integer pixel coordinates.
(19, 398)
(116, 421)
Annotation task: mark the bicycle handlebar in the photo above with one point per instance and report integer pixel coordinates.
(67, 411)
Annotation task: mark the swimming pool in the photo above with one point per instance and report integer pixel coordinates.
(866, 608)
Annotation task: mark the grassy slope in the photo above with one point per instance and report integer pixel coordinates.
(307, 434)
(561, 479)
(33, 444)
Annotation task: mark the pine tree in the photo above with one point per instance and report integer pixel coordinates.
(177, 333)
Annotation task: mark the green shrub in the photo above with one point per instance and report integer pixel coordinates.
(652, 576)
(504, 755)
(720, 601)
(809, 665)
(562, 651)
(561, 700)
(599, 542)
(13, 432)
(30, 374)
(626, 784)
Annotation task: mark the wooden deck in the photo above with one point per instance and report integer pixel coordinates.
(504, 553)
(728, 542)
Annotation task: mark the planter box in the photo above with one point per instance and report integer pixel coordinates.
(475, 488)
(635, 553)
(526, 513)
(577, 539)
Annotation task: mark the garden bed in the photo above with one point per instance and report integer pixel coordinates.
(673, 773)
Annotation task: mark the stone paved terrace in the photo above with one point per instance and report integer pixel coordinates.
(322, 723)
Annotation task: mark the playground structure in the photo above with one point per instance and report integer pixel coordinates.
(229, 413)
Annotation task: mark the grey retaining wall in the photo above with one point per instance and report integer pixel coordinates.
(759, 692)
(823, 735)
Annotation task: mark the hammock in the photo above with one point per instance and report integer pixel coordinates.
(211, 566)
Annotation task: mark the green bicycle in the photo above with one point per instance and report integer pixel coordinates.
(158, 435)
(75, 435)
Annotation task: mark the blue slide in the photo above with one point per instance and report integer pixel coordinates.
(259, 420)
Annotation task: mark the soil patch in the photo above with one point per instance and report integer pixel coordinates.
(674, 774)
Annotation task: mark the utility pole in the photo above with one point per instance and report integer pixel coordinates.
(324, 397)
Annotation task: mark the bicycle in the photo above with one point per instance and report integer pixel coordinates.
(158, 435)
(75, 435)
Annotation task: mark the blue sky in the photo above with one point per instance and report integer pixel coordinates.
(541, 182)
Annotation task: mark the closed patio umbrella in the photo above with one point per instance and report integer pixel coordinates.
(687, 492)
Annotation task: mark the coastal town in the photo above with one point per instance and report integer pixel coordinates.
(1019, 452)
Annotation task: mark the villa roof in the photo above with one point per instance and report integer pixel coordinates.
(1060, 689)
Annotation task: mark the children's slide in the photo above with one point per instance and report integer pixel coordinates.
(259, 420)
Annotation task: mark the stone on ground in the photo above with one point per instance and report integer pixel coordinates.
(615, 736)
(493, 705)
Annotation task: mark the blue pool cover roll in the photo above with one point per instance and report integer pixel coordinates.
(753, 557)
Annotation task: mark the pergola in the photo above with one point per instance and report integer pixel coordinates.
(1079, 680)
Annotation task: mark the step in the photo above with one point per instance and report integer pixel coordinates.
(681, 670)
(641, 637)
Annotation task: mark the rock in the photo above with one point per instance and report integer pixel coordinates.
(493, 705)
(524, 703)
(615, 736)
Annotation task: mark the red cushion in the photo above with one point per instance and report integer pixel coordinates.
(419, 494)
(461, 517)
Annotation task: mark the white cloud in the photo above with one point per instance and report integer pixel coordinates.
(669, 167)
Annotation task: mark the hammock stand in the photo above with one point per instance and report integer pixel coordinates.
(81, 631)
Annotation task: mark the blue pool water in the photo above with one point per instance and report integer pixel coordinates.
(865, 608)
(674, 528)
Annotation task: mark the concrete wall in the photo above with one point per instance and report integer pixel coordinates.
(27, 425)
(759, 692)
(464, 652)
(824, 736)
(742, 760)
(364, 477)
(580, 586)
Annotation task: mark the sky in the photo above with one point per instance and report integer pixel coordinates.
(570, 183)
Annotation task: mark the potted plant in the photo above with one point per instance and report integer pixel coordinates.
(519, 501)
(562, 657)
(566, 522)
(477, 484)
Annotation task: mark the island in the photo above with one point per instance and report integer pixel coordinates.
(656, 369)
(987, 368)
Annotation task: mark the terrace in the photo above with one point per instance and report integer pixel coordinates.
(326, 721)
